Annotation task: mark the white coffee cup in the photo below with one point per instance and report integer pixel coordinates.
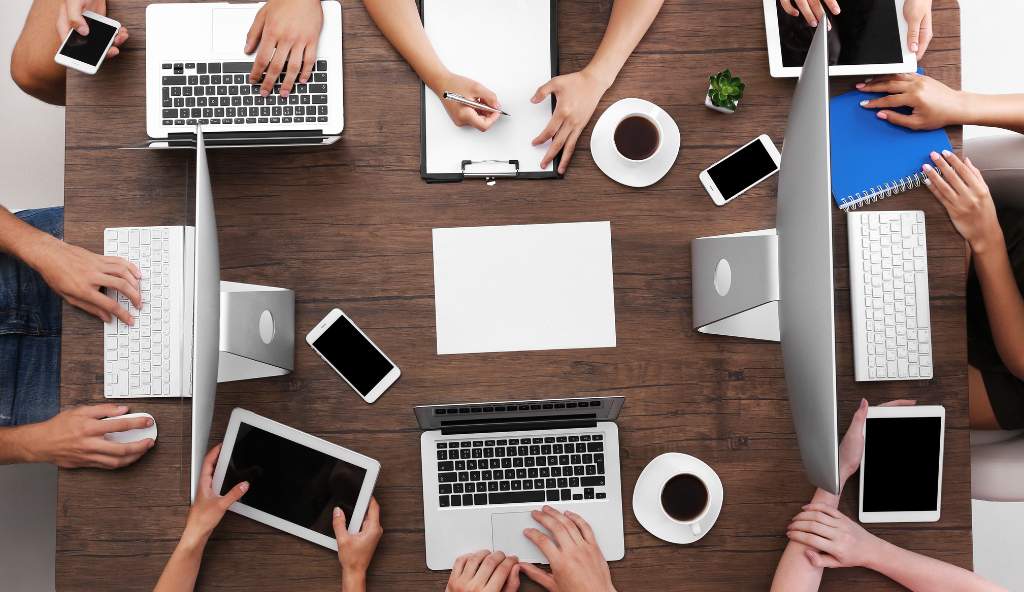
(653, 121)
(671, 489)
(651, 512)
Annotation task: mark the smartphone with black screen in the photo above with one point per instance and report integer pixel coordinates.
(353, 355)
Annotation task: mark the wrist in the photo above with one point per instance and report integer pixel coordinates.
(34, 246)
(436, 79)
(967, 110)
(353, 580)
(15, 447)
(193, 541)
(988, 242)
(601, 73)
(879, 553)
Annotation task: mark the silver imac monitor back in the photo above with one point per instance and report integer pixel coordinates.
(804, 224)
(206, 314)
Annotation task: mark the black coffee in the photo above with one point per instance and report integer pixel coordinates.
(636, 137)
(684, 497)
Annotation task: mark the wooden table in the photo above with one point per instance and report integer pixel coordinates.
(349, 226)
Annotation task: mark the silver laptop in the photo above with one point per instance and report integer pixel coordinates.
(197, 74)
(486, 466)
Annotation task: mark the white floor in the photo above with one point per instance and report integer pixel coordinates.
(33, 172)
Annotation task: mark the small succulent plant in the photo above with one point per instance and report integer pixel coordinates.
(725, 91)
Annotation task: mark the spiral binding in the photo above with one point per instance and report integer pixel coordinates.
(869, 196)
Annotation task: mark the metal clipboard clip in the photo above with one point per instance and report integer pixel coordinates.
(490, 169)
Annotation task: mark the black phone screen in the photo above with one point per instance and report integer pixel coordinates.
(89, 49)
(353, 355)
(743, 168)
(901, 464)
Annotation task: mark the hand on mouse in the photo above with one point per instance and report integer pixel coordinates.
(74, 438)
(209, 506)
(484, 571)
(577, 564)
(355, 551)
(284, 31)
(852, 447)
(833, 539)
(70, 17)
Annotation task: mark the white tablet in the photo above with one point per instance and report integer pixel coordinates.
(901, 470)
(867, 37)
(295, 479)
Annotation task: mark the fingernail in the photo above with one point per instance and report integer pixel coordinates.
(814, 23)
(859, 85)
(913, 47)
(122, 409)
(337, 511)
(263, 93)
(926, 167)
(947, 153)
(149, 422)
(863, 402)
(244, 486)
(934, 155)
(864, 103)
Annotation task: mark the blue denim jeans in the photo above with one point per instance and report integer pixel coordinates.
(29, 333)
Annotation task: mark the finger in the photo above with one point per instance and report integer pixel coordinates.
(63, 26)
(119, 425)
(372, 517)
(469, 116)
(121, 285)
(813, 527)
(938, 186)
(122, 36)
(308, 61)
(252, 38)
(975, 169)
(512, 582)
(210, 460)
(261, 61)
(886, 102)
(811, 540)
(274, 69)
(543, 91)
(338, 522)
(113, 52)
(554, 526)
(485, 95)
(131, 267)
(889, 86)
(963, 171)
(899, 403)
(459, 566)
(473, 561)
(901, 119)
(539, 575)
(490, 562)
(914, 31)
(567, 151)
(788, 8)
(542, 542)
(234, 495)
(585, 531)
(556, 145)
(833, 6)
(292, 71)
(949, 174)
(814, 516)
(824, 509)
(121, 271)
(821, 560)
(102, 410)
(117, 449)
(75, 18)
(926, 34)
(808, 12)
(111, 307)
(549, 131)
(817, 9)
(496, 583)
(90, 308)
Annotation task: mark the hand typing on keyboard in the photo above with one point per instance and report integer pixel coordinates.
(284, 33)
(78, 275)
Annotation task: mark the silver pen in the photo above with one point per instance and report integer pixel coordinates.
(457, 98)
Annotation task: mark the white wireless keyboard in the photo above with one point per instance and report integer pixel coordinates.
(892, 337)
(145, 360)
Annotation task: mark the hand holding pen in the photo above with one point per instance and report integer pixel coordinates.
(463, 114)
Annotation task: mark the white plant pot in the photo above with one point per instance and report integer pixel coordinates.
(713, 107)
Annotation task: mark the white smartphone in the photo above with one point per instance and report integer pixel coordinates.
(353, 356)
(901, 467)
(85, 54)
(730, 177)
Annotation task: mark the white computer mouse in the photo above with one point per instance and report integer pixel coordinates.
(132, 435)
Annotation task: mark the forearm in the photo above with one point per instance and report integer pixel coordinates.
(182, 568)
(795, 572)
(919, 573)
(629, 22)
(353, 581)
(16, 447)
(20, 239)
(399, 21)
(1003, 302)
(1003, 111)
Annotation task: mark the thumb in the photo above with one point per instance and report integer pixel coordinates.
(340, 528)
(542, 92)
(539, 575)
(913, 31)
(235, 494)
(820, 560)
(75, 18)
(255, 31)
(512, 583)
(897, 118)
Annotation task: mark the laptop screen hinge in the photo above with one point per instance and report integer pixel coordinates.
(517, 426)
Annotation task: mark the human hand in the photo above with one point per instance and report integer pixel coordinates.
(74, 438)
(355, 551)
(209, 507)
(851, 449)
(576, 95)
(70, 17)
(811, 10)
(934, 104)
(284, 31)
(919, 25)
(577, 564)
(461, 115)
(484, 571)
(834, 539)
(963, 192)
(77, 275)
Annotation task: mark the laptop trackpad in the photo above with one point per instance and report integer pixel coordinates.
(230, 27)
(507, 536)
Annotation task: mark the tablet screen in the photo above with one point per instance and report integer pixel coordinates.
(901, 464)
(864, 32)
(290, 481)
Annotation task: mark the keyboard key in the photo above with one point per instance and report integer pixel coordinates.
(442, 501)
(517, 497)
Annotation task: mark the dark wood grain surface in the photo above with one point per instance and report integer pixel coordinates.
(349, 226)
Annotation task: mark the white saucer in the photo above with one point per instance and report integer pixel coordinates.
(647, 498)
(633, 174)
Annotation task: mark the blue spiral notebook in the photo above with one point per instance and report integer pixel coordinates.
(873, 159)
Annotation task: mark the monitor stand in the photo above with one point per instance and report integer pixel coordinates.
(736, 284)
(257, 331)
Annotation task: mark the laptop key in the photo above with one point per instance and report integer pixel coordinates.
(595, 481)
(601, 495)
(480, 499)
(444, 488)
(516, 497)
(235, 67)
(448, 477)
(442, 501)
(566, 494)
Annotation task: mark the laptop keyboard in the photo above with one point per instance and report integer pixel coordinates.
(219, 93)
(520, 470)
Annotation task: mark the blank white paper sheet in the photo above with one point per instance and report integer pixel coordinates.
(519, 288)
(504, 45)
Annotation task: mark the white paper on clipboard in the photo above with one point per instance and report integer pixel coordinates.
(506, 46)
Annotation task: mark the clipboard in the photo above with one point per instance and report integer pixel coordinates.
(465, 153)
